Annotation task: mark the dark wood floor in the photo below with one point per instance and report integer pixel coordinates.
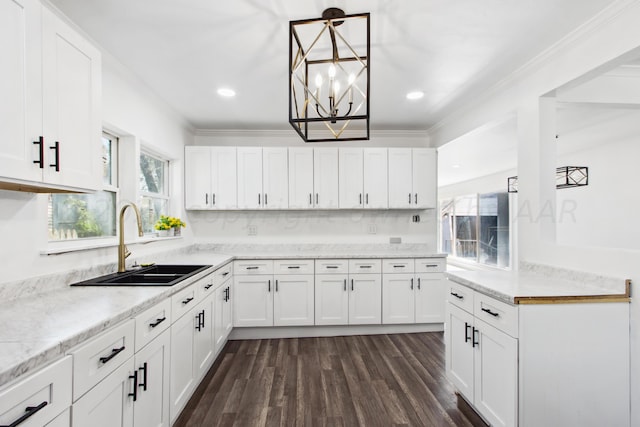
(378, 380)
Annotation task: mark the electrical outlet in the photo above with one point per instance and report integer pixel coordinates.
(252, 230)
(395, 239)
(372, 229)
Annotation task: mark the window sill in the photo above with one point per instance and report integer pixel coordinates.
(465, 264)
(62, 247)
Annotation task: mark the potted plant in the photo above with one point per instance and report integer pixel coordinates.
(165, 224)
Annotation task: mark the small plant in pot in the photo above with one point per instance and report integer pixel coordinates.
(168, 225)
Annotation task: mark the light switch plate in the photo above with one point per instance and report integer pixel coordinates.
(395, 239)
(252, 230)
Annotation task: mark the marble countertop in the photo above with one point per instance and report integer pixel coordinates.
(42, 318)
(536, 284)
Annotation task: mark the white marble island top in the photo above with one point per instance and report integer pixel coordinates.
(536, 284)
(42, 318)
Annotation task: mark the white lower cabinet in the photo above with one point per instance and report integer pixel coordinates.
(43, 398)
(253, 302)
(332, 299)
(293, 300)
(223, 312)
(183, 358)
(203, 340)
(482, 362)
(348, 299)
(151, 406)
(365, 299)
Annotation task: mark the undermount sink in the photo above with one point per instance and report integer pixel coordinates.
(155, 275)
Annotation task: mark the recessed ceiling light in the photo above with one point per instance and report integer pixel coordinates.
(415, 95)
(226, 92)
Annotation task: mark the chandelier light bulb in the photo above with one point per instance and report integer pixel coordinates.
(318, 81)
(332, 71)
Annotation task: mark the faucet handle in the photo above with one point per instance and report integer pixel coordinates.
(127, 252)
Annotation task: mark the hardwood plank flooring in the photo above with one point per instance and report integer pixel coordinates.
(372, 380)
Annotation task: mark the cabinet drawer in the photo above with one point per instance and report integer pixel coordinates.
(222, 274)
(48, 389)
(287, 266)
(332, 266)
(431, 265)
(365, 266)
(460, 295)
(183, 301)
(253, 267)
(152, 323)
(204, 287)
(93, 361)
(397, 265)
(496, 313)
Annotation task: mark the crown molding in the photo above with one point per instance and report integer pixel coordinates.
(289, 133)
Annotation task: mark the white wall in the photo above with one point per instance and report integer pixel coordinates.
(331, 226)
(602, 43)
(129, 108)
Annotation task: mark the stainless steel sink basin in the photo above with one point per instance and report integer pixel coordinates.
(155, 275)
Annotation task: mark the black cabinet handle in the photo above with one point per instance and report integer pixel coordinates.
(206, 288)
(365, 266)
(412, 283)
(360, 198)
(486, 310)
(466, 332)
(252, 267)
(352, 284)
(310, 199)
(200, 318)
(206, 198)
(399, 266)
(418, 283)
(332, 266)
(40, 162)
(474, 341)
(367, 199)
(213, 198)
(409, 198)
(56, 148)
(345, 285)
(157, 322)
(265, 199)
(28, 412)
(134, 377)
(144, 376)
(225, 273)
(316, 198)
(187, 301)
(269, 288)
(114, 353)
(431, 265)
(456, 295)
(227, 295)
(276, 286)
(293, 266)
(416, 199)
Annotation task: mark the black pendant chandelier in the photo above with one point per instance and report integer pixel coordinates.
(329, 77)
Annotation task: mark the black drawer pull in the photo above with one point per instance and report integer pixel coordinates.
(56, 148)
(28, 412)
(206, 288)
(399, 266)
(456, 295)
(134, 377)
(418, 283)
(412, 283)
(332, 266)
(466, 332)
(486, 310)
(474, 341)
(365, 266)
(293, 266)
(431, 265)
(157, 322)
(253, 267)
(276, 286)
(144, 376)
(114, 353)
(345, 285)
(187, 301)
(225, 273)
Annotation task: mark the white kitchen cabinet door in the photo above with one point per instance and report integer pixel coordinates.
(350, 178)
(293, 300)
(253, 301)
(430, 296)
(72, 121)
(197, 177)
(249, 177)
(365, 299)
(275, 178)
(398, 299)
(62, 420)
(203, 350)
(110, 403)
(325, 178)
(495, 375)
(151, 408)
(425, 178)
(223, 312)
(20, 88)
(224, 193)
(459, 350)
(182, 380)
(301, 178)
(400, 178)
(331, 299)
(375, 180)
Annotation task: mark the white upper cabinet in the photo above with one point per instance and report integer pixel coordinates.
(275, 178)
(301, 178)
(412, 178)
(325, 178)
(210, 178)
(263, 178)
(363, 178)
(375, 178)
(51, 122)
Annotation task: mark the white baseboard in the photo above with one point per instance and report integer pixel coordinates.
(329, 331)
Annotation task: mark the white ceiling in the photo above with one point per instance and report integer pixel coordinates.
(451, 50)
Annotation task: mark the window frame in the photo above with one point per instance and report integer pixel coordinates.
(166, 196)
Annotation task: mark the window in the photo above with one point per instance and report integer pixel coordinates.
(476, 228)
(153, 186)
(82, 216)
